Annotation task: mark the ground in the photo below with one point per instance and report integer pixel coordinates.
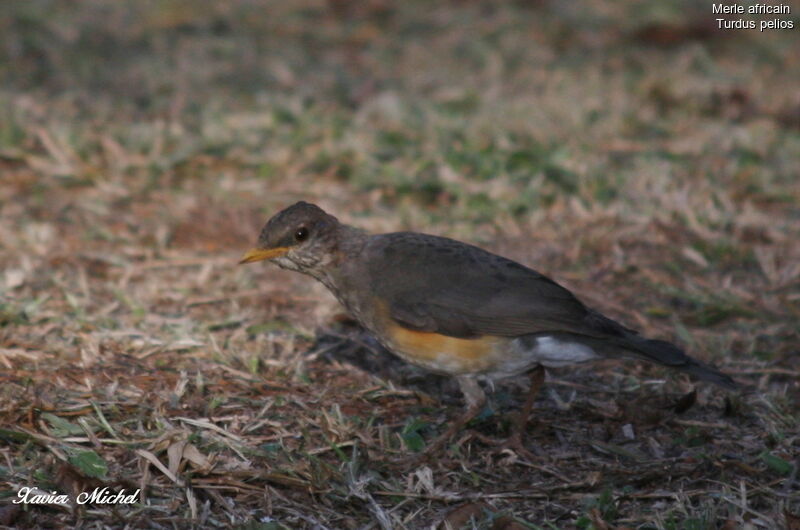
(631, 150)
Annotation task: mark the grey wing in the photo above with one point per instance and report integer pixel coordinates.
(455, 289)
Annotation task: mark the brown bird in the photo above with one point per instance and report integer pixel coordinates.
(456, 309)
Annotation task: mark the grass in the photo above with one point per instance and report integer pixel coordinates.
(638, 156)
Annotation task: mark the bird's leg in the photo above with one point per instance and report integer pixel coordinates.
(475, 399)
(514, 441)
(521, 421)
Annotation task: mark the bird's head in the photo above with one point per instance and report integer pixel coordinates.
(301, 238)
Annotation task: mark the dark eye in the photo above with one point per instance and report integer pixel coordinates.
(301, 234)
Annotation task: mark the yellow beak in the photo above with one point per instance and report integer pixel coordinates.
(259, 254)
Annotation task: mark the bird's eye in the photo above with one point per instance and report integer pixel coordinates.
(301, 234)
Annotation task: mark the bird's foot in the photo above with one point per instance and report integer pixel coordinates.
(417, 459)
(513, 443)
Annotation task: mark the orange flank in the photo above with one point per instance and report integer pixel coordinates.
(442, 353)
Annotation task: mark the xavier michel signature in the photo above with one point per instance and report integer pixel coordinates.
(27, 495)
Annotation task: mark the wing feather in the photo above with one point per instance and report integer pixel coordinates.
(445, 286)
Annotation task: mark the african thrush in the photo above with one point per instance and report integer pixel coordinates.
(454, 308)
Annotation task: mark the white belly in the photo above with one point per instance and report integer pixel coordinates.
(547, 351)
(550, 351)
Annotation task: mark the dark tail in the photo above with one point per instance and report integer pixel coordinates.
(656, 351)
(663, 352)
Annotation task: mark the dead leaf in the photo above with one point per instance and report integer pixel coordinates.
(193, 455)
(508, 523)
(597, 520)
(175, 455)
(792, 520)
(685, 403)
(460, 516)
(9, 514)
